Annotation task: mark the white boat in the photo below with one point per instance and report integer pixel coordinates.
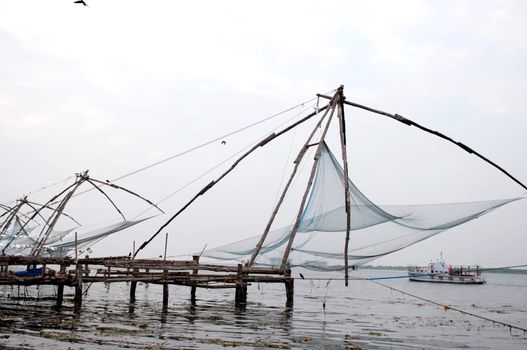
(440, 272)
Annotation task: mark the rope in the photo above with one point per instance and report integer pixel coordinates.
(48, 187)
(216, 166)
(178, 154)
(447, 307)
(409, 122)
(199, 177)
(212, 141)
(499, 268)
(444, 306)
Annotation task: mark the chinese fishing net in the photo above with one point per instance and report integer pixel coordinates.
(376, 230)
(59, 243)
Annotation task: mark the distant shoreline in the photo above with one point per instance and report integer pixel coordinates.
(403, 268)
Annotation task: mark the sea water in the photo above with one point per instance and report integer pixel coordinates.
(325, 315)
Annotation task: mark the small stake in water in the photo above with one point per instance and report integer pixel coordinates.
(166, 241)
(76, 250)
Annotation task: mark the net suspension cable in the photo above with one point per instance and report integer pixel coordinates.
(262, 143)
(409, 122)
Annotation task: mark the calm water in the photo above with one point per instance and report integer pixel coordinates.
(362, 316)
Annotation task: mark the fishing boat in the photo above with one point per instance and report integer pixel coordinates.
(440, 272)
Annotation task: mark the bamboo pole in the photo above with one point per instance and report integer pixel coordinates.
(238, 161)
(12, 214)
(297, 162)
(343, 146)
(127, 191)
(42, 238)
(37, 212)
(107, 197)
(409, 122)
(7, 222)
(310, 183)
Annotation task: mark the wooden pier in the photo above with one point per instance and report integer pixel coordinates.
(73, 273)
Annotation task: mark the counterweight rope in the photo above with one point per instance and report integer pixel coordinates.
(180, 153)
(409, 122)
(444, 306)
(448, 307)
(212, 141)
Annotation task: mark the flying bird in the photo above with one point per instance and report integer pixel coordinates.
(302, 277)
(223, 142)
(80, 2)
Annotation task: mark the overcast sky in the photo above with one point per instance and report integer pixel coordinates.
(119, 85)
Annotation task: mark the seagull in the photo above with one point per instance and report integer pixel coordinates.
(223, 142)
(80, 2)
(302, 276)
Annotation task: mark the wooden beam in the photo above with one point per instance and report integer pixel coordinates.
(214, 182)
(343, 146)
(309, 184)
(298, 161)
(409, 122)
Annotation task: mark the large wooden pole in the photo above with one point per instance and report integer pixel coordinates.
(298, 161)
(12, 215)
(78, 287)
(409, 122)
(37, 212)
(238, 161)
(195, 258)
(52, 221)
(165, 275)
(287, 251)
(343, 146)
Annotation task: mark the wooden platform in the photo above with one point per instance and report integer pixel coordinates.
(191, 273)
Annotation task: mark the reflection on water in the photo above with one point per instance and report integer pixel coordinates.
(324, 315)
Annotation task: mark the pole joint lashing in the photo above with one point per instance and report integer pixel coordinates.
(206, 188)
(403, 119)
(465, 147)
(267, 139)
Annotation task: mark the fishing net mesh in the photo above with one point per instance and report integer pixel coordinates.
(61, 243)
(376, 230)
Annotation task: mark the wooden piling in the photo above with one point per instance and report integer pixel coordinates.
(78, 287)
(60, 295)
(133, 286)
(122, 269)
(194, 272)
(289, 287)
(60, 287)
(165, 275)
(165, 295)
(241, 287)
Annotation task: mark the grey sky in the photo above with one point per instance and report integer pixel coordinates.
(123, 84)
